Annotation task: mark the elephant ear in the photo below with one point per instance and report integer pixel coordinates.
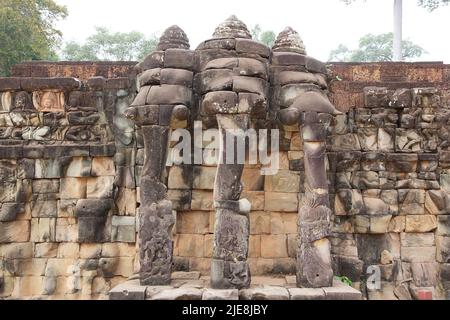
(313, 101)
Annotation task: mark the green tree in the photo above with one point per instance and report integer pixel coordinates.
(27, 31)
(431, 5)
(266, 37)
(374, 48)
(256, 32)
(111, 46)
(428, 4)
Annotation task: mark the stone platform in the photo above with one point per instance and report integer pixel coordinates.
(191, 286)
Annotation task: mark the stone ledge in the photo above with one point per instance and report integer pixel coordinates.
(197, 289)
(53, 151)
(130, 290)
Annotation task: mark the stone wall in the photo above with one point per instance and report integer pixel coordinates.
(389, 163)
(67, 190)
(70, 170)
(388, 179)
(80, 70)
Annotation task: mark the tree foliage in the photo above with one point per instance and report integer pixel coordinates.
(111, 46)
(266, 37)
(431, 5)
(374, 48)
(27, 31)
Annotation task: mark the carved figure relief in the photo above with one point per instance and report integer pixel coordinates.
(49, 101)
(232, 87)
(311, 110)
(153, 111)
(22, 102)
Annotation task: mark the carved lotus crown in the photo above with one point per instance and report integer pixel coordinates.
(232, 28)
(173, 38)
(289, 41)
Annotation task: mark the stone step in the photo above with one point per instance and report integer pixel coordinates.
(198, 289)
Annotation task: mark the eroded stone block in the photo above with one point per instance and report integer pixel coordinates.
(348, 202)
(103, 166)
(412, 201)
(66, 230)
(178, 294)
(215, 294)
(401, 162)
(443, 249)
(73, 188)
(92, 215)
(128, 291)
(16, 231)
(342, 292)
(443, 228)
(264, 293)
(425, 97)
(283, 181)
(79, 167)
(44, 209)
(421, 223)
(417, 239)
(123, 229)
(100, 187)
(368, 138)
(375, 97)
(169, 95)
(43, 230)
(408, 140)
(281, 202)
(345, 142)
(419, 254)
(9, 211)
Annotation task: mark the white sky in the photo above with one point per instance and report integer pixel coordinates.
(323, 24)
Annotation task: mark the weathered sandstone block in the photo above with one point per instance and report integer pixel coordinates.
(16, 231)
(92, 215)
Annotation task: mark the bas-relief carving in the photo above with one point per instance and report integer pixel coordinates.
(229, 268)
(233, 89)
(49, 101)
(30, 133)
(156, 252)
(5, 101)
(312, 111)
(153, 112)
(230, 98)
(22, 102)
(313, 255)
(410, 133)
(81, 101)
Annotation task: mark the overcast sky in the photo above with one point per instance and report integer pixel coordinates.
(323, 24)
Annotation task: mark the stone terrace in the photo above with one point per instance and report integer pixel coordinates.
(389, 180)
